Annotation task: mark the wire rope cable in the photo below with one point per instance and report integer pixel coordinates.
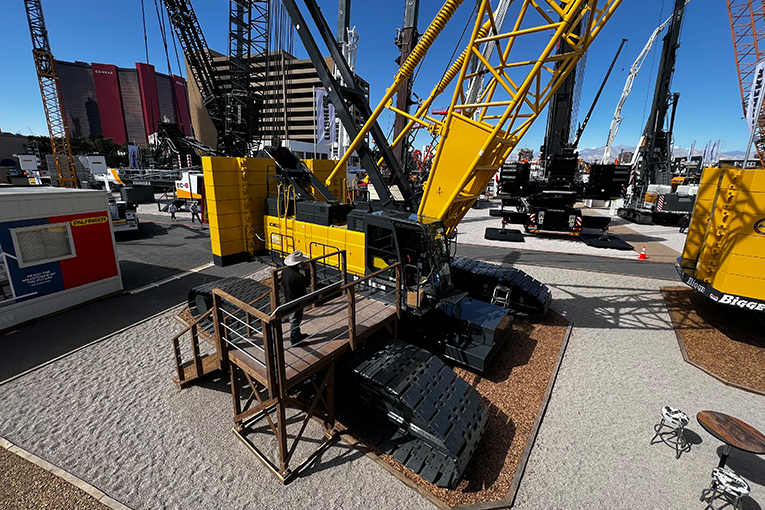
(145, 37)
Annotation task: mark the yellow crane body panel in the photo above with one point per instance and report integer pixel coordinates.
(230, 183)
(322, 168)
(446, 199)
(724, 254)
(236, 190)
(285, 235)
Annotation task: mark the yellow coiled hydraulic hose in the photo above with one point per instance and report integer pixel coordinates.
(406, 70)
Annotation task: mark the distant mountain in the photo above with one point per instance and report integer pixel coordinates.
(596, 153)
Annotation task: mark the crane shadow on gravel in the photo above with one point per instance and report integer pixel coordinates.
(633, 309)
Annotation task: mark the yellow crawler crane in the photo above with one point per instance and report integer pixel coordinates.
(724, 254)
(459, 308)
(475, 137)
(277, 205)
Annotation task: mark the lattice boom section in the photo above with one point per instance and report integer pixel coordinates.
(478, 134)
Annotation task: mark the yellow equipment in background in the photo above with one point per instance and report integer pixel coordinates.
(724, 254)
(236, 193)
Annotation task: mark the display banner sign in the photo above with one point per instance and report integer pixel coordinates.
(326, 132)
(754, 105)
(133, 156)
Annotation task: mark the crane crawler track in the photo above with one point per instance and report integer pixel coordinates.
(435, 420)
(528, 297)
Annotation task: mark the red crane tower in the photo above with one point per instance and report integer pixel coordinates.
(747, 26)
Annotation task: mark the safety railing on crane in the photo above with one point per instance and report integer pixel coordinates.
(248, 338)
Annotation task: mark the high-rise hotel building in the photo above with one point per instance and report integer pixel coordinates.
(126, 104)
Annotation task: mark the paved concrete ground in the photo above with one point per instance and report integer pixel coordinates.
(622, 365)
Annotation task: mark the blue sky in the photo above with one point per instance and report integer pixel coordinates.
(112, 32)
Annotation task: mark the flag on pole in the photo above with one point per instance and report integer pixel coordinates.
(714, 151)
(705, 157)
(690, 151)
(326, 132)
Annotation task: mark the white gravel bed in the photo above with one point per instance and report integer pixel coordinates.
(669, 236)
(111, 415)
(622, 365)
(472, 228)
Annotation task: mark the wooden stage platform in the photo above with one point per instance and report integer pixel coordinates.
(251, 343)
(328, 336)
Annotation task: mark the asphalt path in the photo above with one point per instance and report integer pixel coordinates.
(513, 255)
(159, 250)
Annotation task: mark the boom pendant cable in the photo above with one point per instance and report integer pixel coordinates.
(145, 37)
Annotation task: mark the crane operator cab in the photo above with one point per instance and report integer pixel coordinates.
(439, 315)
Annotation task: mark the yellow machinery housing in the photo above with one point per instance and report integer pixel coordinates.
(724, 254)
(237, 189)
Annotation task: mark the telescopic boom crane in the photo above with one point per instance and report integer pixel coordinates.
(634, 70)
(656, 150)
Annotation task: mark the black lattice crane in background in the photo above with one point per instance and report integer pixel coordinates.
(51, 95)
(234, 109)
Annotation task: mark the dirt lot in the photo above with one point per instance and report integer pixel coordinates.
(724, 340)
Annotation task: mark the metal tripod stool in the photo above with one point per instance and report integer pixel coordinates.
(675, 421)
(726, 485)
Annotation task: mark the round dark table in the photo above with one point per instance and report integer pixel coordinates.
(732, 432)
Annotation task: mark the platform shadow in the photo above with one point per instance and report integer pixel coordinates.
(337, 454)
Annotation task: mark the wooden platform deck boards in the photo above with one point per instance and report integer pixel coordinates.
(328, 337)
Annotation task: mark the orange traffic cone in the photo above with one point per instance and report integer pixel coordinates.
(642, 254)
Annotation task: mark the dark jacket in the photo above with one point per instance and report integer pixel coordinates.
(294, 283)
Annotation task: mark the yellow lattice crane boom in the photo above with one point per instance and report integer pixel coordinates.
(476, 137)
(51, 95)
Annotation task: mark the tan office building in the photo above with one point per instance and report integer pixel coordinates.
(289, 103)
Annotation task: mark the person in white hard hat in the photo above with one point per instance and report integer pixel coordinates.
(294, 284)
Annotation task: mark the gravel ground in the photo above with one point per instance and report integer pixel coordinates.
(622, 365)
(472, 228)
(138, 438)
